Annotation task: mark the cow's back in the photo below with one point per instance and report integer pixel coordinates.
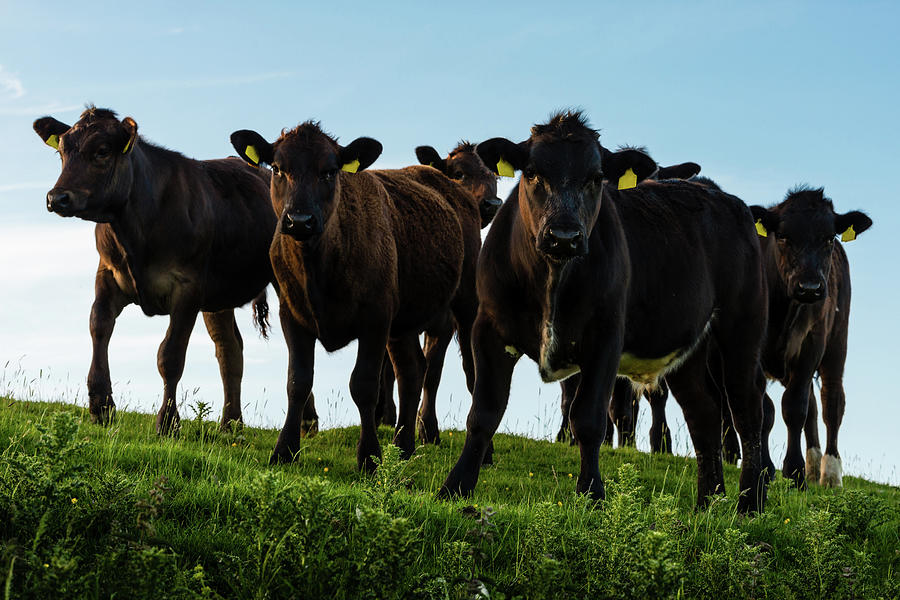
(693, 250)
(430, 248)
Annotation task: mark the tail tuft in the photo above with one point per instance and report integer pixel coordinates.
(261, 314)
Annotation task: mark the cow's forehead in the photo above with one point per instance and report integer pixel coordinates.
(306, 153)
(565, 156)
(806, 213)
(84, 130)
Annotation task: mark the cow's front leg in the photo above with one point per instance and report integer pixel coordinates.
(301, 346)
(170, 361)
(494, 362)
(364, 387)
(109, 301)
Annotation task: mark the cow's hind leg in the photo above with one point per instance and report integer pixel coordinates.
(409, 364)
(223, 330)
(695, 393)
(437, 340)
(385, 410)
(108, 304)
(170, 361)
(811, 432)
(660, 436)
(623, 409)
(567, 394)
(833, 401)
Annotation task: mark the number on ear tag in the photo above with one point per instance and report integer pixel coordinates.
(251, 153)
(628, 180)
(760, 229)
(504, 169)
(351, 167)
(53, 141)
(849, 235)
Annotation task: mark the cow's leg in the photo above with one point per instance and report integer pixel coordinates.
(437, 339)
(811, 432)
(794, 404)
(623, 409)
(301, 346)
(385, 410)
(831, 371)
(590, 409)
(223, 330)
(567, 394)
(494, 368)
(660, 436)
(108, 304)
(364, 384)
(409, 365)
(170, 361)
(768, 423)
(692, 389)
(731, 446)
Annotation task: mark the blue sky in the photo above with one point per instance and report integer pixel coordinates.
(764, 96)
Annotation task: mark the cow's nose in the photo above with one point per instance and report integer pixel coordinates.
(300, 226)
(810, 291)
(58, 200)
(565, 242)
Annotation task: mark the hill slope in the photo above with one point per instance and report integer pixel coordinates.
(118, 512)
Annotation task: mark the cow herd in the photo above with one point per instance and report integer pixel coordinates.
(616, 277)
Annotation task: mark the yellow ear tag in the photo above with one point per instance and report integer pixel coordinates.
(760, 229)
(351, 167)
(849, 235)
(628, 180)
(504, 169)
(53, 141)
(251, 153)
(127, 147)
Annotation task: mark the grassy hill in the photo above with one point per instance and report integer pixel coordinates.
(91, 512)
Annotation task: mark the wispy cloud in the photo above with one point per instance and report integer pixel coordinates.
(36, 110)
(10, 85)
(14, 187)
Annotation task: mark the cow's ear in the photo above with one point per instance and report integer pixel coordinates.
(49, 130)
(131, 130)
(626, 168)
(359, 154)
(851, 224)
(429, 156)
(682, 171)
(502, 156)
(252, 147)
(765, 219)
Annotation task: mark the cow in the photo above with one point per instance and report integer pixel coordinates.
(176, 236)
(465, 168)
(809, 308)
(582, 278)
(372, 256)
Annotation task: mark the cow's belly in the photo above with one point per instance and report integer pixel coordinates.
(647, 371)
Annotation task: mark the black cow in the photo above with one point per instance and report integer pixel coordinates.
(582, 278)
(175, 235)
(809, 309)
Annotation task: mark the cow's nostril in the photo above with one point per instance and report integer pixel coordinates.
(58, 200)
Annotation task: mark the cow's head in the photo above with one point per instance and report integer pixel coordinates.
(464, 166)
(564, 170)
(96, 164)
(307, 166)
(804, 226)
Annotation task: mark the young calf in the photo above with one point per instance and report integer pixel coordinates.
(583, 279)
(473, 186)
(809, 309)
(371, 256)
(176, 236)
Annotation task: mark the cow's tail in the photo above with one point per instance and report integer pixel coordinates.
(261, 314)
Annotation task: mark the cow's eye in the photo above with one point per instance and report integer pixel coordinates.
(532, 176)
(102, 152)
(329, 175)
(276, 170)
(828, 243)
(459, 175)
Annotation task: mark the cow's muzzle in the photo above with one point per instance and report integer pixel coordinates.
(300, 226)
(563, 243)
(63, 202)
(809, 291)
(488, 209)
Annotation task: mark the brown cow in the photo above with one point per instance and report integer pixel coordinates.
(371, 256)
(479, 185)
(809, 311)
(175, 235)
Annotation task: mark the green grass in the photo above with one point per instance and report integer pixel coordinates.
(88, 512)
